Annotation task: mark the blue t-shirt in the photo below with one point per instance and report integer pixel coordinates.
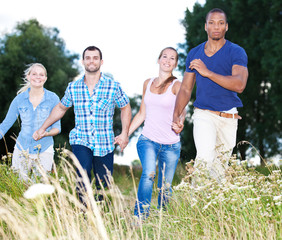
(210, 95)
(31, 120)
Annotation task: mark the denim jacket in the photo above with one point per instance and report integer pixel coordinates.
(31, 120)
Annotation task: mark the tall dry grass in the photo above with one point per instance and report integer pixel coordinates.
(61, 215)
(247, 206)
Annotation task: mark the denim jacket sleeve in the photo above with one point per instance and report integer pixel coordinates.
(10, 118)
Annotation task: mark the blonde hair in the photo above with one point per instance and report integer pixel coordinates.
(26, 84)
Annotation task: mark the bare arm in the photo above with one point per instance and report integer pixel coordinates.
(139, 118)
(122, 139)
(177, 128)
(125, 119)
(183, 96)
(52, 132)
(236, 82)
(57, 113)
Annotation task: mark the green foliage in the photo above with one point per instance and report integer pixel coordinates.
(31, 42)
(268, 170)
(247, 206)
(256, 25)
(135, 102)
(10, 183)
(188, 149)
(28, 43)
(124, 178)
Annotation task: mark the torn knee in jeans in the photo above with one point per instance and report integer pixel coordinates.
(167, 185)
(152, 176)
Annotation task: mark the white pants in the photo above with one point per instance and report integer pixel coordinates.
(215, 138)
(23, 162)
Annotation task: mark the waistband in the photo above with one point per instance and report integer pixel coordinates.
(223, 114)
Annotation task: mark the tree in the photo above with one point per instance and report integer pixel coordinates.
(256, 25)
(31, 42)
(28, 43)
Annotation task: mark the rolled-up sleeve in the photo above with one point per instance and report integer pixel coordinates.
(121, 99)
(67, 100)
(58, 123)
(10, 118)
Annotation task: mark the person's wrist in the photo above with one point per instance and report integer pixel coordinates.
(124, 133)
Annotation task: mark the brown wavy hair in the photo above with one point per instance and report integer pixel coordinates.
(170, 78)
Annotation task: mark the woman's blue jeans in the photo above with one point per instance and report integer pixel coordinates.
(167, 155)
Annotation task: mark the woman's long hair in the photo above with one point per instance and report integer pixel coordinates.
(26, 84)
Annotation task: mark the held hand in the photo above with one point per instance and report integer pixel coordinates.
(116, 140)
(198, 65)
(122, 140)
(177, 127)
(178, 122)
(37, 135)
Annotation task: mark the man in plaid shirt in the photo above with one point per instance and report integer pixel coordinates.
(94, 97)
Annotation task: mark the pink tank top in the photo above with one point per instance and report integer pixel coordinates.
(159, 115)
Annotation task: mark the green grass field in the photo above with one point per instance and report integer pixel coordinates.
(247, 206)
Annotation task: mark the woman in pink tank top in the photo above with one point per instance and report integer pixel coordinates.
(158, 141)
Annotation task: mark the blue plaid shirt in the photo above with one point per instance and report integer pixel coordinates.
(94, 114)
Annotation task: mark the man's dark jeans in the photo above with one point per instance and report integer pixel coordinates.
(100, 166)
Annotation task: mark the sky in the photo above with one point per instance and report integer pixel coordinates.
(130, 34)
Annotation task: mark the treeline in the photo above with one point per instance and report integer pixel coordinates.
(255, 25)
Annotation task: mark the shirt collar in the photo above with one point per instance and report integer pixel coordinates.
(26, 93)
(102, 77)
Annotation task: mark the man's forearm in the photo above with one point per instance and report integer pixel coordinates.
(182, 100)
(125, 118)
(184, 95)
(235, 83)
(56, 114)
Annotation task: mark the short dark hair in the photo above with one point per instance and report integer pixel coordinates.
(92, 48)
(214, 11)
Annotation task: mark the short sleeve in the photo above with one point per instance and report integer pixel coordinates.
(67, 100)
(189, 58)
(121, 99)
(239, 56)
(56, 100)
(10, 118)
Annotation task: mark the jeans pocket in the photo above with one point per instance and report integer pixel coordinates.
(143, 138)
(176, 146)
(142, 141)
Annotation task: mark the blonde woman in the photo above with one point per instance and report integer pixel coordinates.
(33, 104)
